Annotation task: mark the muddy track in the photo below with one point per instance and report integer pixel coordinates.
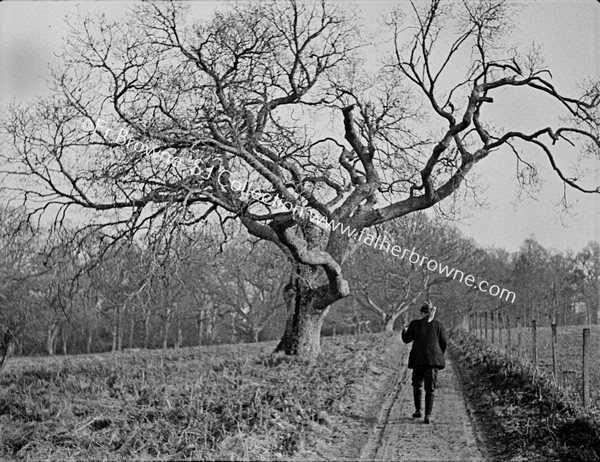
(397, 436)
(393, 393)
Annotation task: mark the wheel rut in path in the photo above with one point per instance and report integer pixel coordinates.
(397, 436)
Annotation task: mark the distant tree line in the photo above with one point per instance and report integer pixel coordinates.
(549, 285)
(188, 289)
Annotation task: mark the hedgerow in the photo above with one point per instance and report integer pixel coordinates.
(525, 416)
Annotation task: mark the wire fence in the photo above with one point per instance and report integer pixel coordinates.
(571, 354)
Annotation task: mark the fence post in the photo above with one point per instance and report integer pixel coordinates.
(486, 326)
(535, 349)
(586, 367)
(554, 362)
(519, 336)
(509, 345)
(500, 326)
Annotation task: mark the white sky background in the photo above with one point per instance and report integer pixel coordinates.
(567, 31)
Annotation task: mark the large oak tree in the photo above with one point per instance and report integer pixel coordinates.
(278, 95)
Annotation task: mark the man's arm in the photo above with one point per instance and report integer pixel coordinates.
(442, 338)
(408, 334)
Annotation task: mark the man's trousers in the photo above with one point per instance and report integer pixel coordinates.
(425, 374)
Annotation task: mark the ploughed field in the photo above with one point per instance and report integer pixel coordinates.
(217, 402)
(569, 350)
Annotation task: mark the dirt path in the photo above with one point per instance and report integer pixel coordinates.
(397, 436)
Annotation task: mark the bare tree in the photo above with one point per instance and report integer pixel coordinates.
(242, 99)
(19, 272)
(389, 286)
(250, 281)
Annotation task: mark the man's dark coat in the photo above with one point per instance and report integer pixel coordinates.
(429, 343)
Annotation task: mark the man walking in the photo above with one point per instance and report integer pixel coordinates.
(426, 356)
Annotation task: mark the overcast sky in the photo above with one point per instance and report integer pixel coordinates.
(567, 31)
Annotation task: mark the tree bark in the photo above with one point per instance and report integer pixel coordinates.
(165, 339)
(302, 334)
(115, 329)
(233, 337)
(88, 346)
(132, 328)
(120, 328)
(390, 319)
(209, 327)
(7, 343)
(199, 329)
(64, 338)
(146, 329)
(389, 324)
(306, 297)
(166, 328)
(179, 335)
(113, 346)
(51, 337)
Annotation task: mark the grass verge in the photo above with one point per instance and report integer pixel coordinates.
(235, 402)
(524, 416)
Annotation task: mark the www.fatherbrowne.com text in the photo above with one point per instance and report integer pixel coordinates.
(384, 244)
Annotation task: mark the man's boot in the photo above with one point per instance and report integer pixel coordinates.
(428, 406)
(417, 393)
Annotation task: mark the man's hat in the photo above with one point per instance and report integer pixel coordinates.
(426, 307)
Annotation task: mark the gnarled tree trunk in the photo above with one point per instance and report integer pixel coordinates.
(315, 284)
(306, 313)
(7, 342)
(302, 335)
